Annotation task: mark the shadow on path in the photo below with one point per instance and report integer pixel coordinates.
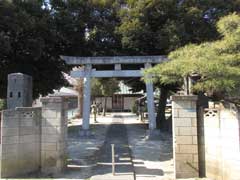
(117, 135)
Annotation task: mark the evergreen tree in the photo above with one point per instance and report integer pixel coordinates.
(30, 43)
(217, 63)
(157, 27)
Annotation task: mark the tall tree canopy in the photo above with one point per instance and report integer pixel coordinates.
(30, 43)
(160, 26)
(216, 63)
(34, 34)
(153, 27)
(88, 26)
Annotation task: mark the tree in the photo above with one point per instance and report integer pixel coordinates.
(88, 26)
(29, 43)
(71, 19)
(161, 26)
(216, 63)
(101, 29)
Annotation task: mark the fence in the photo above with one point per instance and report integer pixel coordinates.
(20, 148)
(221, 143)
(34, 139)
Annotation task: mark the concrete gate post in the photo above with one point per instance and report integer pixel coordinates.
(185, 145)
(54, 135)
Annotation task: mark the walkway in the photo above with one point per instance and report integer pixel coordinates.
(90, 158)
(117, 135)
(137, 158)
(152, 158)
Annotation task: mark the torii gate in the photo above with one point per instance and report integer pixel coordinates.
(87, 73)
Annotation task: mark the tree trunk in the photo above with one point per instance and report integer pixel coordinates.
(105, 106)
(161, 119)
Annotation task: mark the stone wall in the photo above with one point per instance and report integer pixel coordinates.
(54, 134)
(20, 148)
(185, 144)
(222, 144)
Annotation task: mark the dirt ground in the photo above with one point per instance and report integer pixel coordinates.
(137, 157)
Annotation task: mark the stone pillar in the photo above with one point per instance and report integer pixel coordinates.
(54, 135)
(86, 100)
(150, 102)
(19, 91)
(185, 145)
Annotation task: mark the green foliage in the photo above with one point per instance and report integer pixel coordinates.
(216, 63)
(34, 33)
(228, 24)
(153, 27)
(32, 36)
(29, 43)
(2, 104)
(134, 108)
(104, 87)
(161, 26)
(96, 87)
(88, 26)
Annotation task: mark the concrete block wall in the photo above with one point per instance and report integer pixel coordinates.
(185, 143)
(54, 134)
(222, 144)
(20, 147)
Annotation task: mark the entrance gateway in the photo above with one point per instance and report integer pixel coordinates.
(117, 61)
(44, 149)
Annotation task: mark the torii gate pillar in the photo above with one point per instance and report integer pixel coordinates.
(150, 103)
(86, 100)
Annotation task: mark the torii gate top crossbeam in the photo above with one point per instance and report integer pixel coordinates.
(71, 60)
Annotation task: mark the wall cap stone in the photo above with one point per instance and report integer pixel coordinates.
(51, 99)
(28, 108)
(184, 98)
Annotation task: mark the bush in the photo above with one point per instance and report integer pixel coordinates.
(134, 108)
(2, 104)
